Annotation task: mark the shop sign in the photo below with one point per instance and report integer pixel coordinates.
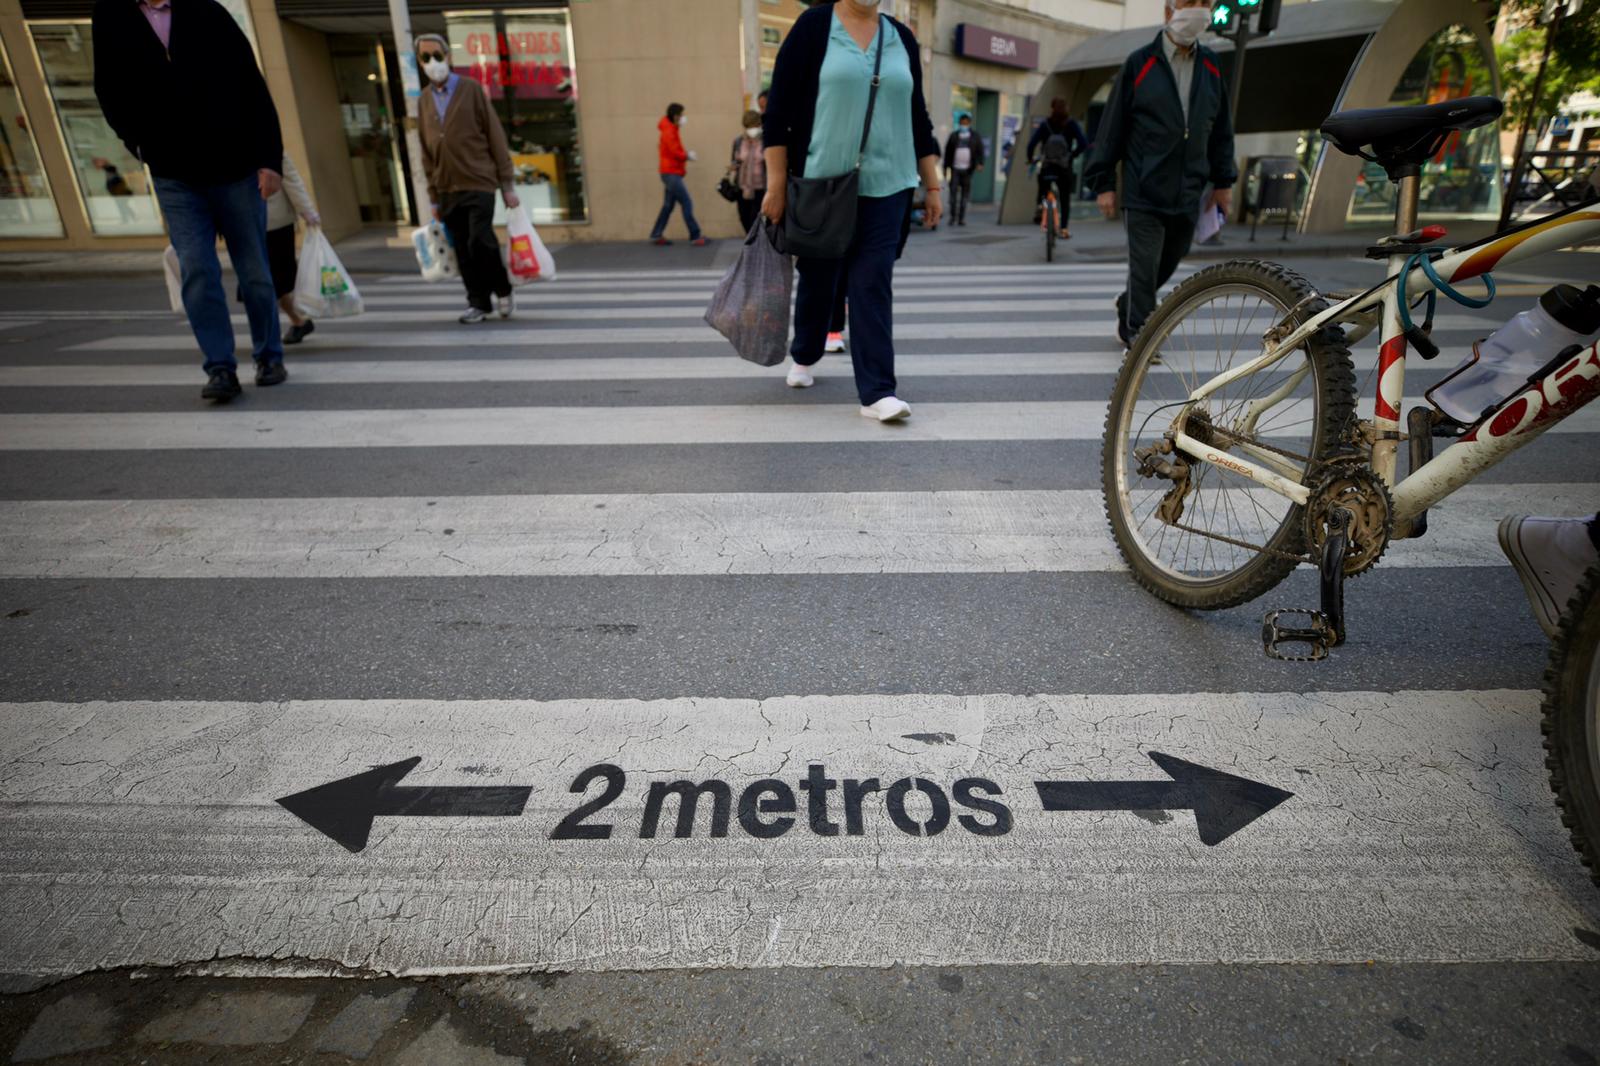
(975, 42)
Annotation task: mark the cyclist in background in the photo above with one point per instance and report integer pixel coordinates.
(1057, 142)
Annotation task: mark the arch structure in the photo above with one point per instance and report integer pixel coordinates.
(1327, 56)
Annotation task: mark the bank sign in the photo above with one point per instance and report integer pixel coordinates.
(975, 42)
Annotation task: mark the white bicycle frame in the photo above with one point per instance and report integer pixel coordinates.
(1507, 427)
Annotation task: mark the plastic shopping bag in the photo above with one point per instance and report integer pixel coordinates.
(322, 286)
(436, 256)
(751, 304)
(527, 259)
(169, 265)
(1209, 224)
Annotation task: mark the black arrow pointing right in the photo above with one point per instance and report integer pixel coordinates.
(1222, 803)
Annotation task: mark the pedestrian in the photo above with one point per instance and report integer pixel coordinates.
(1056, 145)
(285, 205)
(200, 118)
(674, 159)
(1551, 556)
(1167, 123)
(963, 157)
(466, 159)
(814, 125)
(749, 170)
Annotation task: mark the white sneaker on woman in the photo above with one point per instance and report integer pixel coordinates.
(835, 343)
(888, 409)
(799, 377)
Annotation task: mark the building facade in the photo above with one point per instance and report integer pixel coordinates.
(579, 86)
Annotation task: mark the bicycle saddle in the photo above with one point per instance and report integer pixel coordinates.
(1402, 138)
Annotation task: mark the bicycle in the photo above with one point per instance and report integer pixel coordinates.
(1224, 468)
(1050, 216)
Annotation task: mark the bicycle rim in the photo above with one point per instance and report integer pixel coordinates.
(1214, 330)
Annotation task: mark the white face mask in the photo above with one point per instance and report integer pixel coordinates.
(437, 70)
(682, 119)
(752, 132)
(1188, 23)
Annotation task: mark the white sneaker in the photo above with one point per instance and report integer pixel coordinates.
(1551, 555)
(472, 315)
(799, 377)
(888, 409)
(835, 343)
(505, 305)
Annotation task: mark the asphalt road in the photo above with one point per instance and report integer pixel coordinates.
(736, 717)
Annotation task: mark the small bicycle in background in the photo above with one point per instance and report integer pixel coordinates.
(1234, 450)
(1050, 216)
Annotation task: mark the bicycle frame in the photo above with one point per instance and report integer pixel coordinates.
(1546, 400)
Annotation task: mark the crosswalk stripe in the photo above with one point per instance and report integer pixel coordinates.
(452, 427)
(648, 534)
(963, 271)
(1077, 298)
(1417, 826)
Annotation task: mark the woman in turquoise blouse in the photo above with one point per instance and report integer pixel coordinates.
(812, 127)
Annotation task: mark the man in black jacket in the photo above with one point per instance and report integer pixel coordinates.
(963, 157)
(178, 83)
(1167, 123)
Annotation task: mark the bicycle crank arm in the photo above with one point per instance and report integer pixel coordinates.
(1323, 629)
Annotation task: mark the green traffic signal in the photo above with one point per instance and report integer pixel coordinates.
(1224, 17)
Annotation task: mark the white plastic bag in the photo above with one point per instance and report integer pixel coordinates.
(169, 265)
(527, 259)
(322, 286)
(1209, 224)
(436, 256)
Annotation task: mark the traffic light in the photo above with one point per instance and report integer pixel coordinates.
(1225, 17)
(1267, 16)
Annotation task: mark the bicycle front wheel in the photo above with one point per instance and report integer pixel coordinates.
(1050, 223)
(1218, 539)
(1572, 720)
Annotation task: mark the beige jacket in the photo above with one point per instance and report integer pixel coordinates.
(467, 152)
(289, 201)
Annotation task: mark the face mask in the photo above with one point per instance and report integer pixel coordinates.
(1187, 24)
(437, 70)
(867, 3)
(682, 119)
(752, 132)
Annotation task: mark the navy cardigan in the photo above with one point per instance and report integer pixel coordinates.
(792, 99)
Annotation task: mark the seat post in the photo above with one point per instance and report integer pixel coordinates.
(1410, 181)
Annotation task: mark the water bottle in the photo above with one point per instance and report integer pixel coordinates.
(1502, 364)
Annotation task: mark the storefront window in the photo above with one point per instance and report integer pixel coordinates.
(1463, 179)
(524, 59)
(115, 188)
(26, 207)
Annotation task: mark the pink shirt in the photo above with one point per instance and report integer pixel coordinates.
(160, 18)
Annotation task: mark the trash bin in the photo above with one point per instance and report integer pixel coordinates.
(1274, 187)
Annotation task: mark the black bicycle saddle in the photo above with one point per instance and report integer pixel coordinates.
(1402, 138)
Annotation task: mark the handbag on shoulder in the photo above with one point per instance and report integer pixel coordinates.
(820, 217)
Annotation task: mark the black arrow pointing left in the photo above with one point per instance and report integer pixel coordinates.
(344, 810)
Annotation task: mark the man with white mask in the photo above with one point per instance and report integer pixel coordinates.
(1167, 123)
(466, 158)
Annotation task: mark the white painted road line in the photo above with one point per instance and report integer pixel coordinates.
(1420, 828)
(647, 534)
(578, 306)
(519, 426)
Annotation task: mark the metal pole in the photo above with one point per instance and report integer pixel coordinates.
(750, 21)
(1240, 38)
(1509, 200)
(406, 52)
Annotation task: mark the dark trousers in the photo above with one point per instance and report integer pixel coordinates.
(749, 210)
(674, 191)
(866, 277)
(469, 216)
(960, 194)
(1157, 242)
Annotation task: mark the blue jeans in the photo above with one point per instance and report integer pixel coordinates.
(675, 192)
(866, 277)
(195, 215)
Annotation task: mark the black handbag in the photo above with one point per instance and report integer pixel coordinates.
(820, 218)
(728, 189)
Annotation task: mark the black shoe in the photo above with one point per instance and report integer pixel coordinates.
(299, 333)
(221, 386)
(271, 373)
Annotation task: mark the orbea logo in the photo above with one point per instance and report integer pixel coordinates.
(1556, 396)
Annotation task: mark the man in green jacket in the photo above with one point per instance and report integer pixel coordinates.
(1167, 123)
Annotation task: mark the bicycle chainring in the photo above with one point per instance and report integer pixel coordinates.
(1361, 492)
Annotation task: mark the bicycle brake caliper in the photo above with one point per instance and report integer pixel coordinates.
(1324, 629)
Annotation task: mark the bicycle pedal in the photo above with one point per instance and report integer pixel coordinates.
(1318, 637)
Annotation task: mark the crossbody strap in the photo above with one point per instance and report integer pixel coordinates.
(872, 94)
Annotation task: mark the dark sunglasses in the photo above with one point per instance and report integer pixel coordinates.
(428, 56)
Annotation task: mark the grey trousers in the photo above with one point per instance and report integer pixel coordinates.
(1157, 243)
